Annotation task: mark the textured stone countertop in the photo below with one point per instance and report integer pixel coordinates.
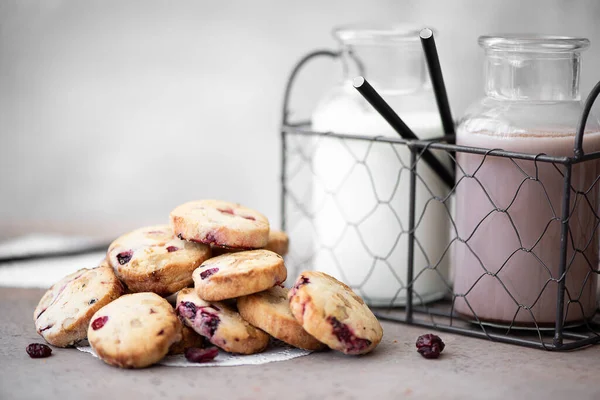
(469, 368)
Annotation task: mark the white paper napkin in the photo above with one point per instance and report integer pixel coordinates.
(277, 351)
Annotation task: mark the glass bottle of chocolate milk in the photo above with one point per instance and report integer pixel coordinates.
(508, 211)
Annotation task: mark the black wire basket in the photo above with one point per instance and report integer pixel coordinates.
(299, 144)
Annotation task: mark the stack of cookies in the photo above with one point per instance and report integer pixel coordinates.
(226, 268)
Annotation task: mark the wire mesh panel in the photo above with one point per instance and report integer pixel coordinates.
(510, 252)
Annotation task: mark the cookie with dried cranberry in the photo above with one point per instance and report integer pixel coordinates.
(151, 259)
(189, 339)
(220, 223)
(332, 313)
(238, 274)
(64, 312)
(220, 324)
(134, 331)
(279, 243)
(270, 311)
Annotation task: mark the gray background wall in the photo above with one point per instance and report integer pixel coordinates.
(113, 112)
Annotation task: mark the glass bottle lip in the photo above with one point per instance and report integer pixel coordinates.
(533, 43)
(377, 33)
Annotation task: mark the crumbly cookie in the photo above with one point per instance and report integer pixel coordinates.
(279, 243)
(134, 331)
(238, 274)
(220, 223)
(270, 311)
(331, 312)
(223, 326)
(189, 338)
(64, 312)
(152, 259)
(104, 263)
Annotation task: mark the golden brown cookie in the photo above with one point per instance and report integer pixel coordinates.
(189, 338)
(238, 274)
(64, 312)
(270, 311)
(151, 259)
(279, 242)
(220, 223)
(331, 312)
(134, 331)
(223, 326)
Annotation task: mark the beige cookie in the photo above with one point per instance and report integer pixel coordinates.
(278, 243)
(238, 274)
(189, 338)
(151, 259)
(134, 331)
(331, 312)
(223, 326)
(220, 223)
(104, 263)
(270, 311)
(64, 312)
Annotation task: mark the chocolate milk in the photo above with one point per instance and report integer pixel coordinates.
(520, 248)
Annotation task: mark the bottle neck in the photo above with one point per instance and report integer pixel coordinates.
(397, 68)
(530, 76)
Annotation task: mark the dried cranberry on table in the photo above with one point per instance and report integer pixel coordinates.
(198, 355)
(38, 350)
(430, 345)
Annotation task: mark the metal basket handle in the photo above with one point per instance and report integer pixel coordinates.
(288, 87)
(589, 102)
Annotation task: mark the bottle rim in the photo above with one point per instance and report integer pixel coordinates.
(377, 33)
(526, 43)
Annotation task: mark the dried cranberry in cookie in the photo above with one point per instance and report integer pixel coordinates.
(238, 274)
(64, 312)
(270, 311)
(220, 324)
(134, 331)
(152, 259)
(332, 313)
(220, 223)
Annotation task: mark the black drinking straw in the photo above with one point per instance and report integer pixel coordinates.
(437, 80)
(399, 126)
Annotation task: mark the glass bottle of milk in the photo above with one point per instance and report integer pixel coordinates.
(508, 212)
(360, 192)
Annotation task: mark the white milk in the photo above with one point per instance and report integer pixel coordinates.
(348, 192)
